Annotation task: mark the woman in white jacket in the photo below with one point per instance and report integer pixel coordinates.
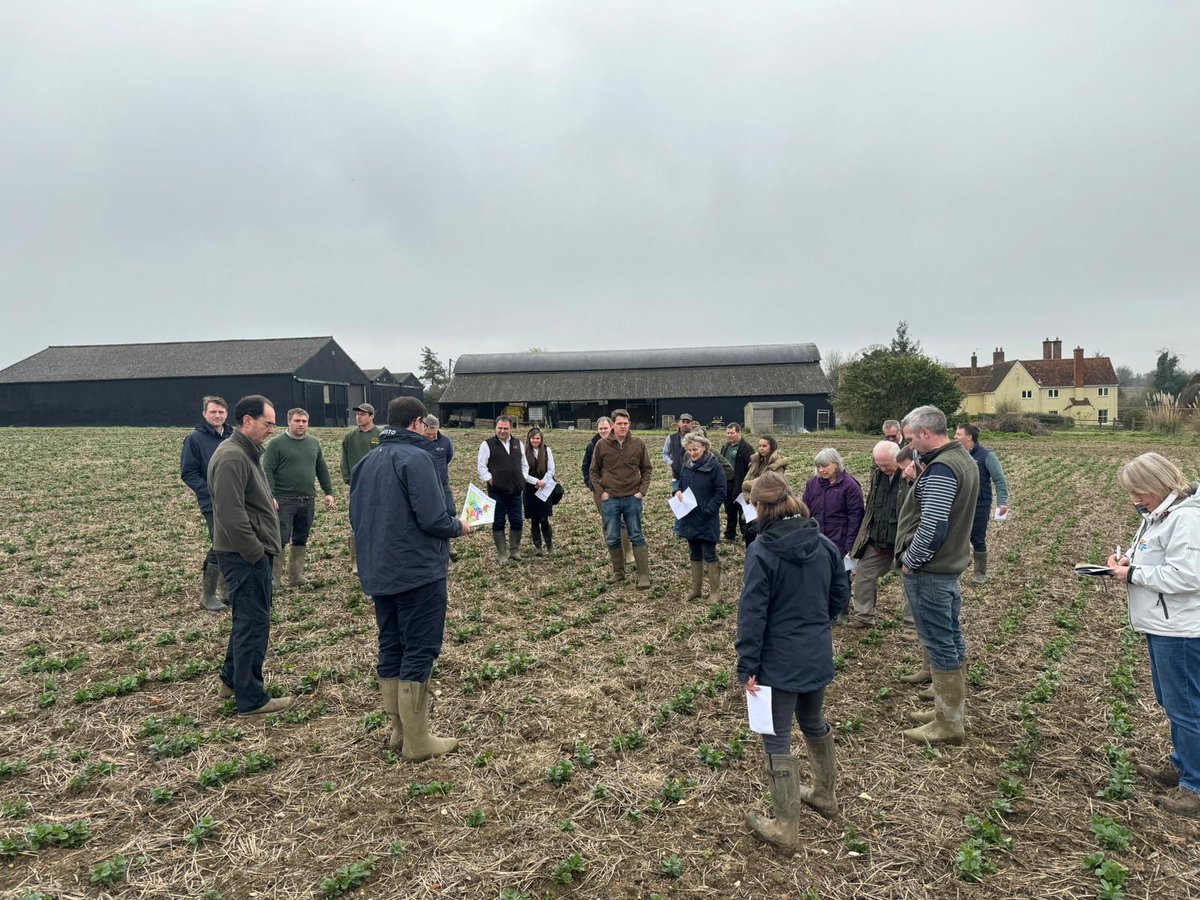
(1162, 572)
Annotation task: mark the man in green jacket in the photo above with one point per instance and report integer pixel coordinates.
(933, 546)
(355, 445)
(875, 545)
(246, 541)
(291, 462)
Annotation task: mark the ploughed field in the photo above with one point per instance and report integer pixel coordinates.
(603, 749)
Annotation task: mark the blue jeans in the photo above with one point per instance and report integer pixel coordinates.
(250, 598)
(808, 708)
(622, 509)
(511, 507)
(1175, 671)
(411, 627)
(936, 601)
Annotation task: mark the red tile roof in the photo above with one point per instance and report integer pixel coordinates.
(1097, 370)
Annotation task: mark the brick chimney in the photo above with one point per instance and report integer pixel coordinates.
(1057, 348)
(1078, 367)
(974, 364)
(997, 356)
(1047, 349)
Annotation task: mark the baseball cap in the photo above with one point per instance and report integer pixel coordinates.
(686, 417)
(365, 407)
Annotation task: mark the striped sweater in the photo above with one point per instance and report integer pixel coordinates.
(934, 531)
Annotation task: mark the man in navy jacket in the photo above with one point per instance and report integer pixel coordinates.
(198, 448)
(402, 530)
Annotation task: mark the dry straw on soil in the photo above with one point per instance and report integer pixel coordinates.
(100, 547)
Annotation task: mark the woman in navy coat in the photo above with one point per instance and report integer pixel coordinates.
(794, 587)
(701, 528)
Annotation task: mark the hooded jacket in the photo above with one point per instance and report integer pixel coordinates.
(1164, 584)
(776, 462)
(837, 506)
(706, 478)
(198, 448)
(794, 586)
(399, 516)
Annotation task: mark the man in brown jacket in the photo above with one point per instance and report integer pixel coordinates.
(620, 473)
(246, 541)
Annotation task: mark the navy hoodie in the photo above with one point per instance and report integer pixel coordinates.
(793, 588)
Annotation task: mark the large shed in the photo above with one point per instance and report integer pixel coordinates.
(162, 384)
(656, 386)
(386, 386)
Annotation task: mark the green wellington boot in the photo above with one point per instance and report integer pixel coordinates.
(783, 830)
(822, 796)
(980, 567)
(949, 702)
(390, 689)
(641, 556)
(501, 545)
(296, 576)
(921, 676)
(209, 597)
(413, 702)
(713, 570)
(697, 588)
(514, 545)
(617, 556)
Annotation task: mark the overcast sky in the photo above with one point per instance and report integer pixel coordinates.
(492, 176)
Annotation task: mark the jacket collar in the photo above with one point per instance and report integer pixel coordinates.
(248, 446)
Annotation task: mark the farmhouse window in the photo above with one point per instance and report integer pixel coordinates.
(1052, 393)
(1026, 395)
(1103, 392)
(1103, 414)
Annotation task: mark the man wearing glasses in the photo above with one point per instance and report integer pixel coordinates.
(246, 540)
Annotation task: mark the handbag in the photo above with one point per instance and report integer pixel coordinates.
(556, 495)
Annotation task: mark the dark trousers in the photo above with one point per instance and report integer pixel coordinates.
(733, 516)
(510, 507)
(540, 529)
(979, 528)
(807, 707)
(701, 550)
(211, 559)
(411, 627)
(295, 519)
(249, 587)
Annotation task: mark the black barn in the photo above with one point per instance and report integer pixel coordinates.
(161, 384)
(386, 387)
(713, 384)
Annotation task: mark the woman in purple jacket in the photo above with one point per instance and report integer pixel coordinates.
(835, 500)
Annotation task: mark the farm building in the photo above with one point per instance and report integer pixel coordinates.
(161, 384)
(1082, 388)
(386, 387)
(713, 384)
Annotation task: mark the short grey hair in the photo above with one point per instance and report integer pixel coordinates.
(887, 448)
(929, 418)
(829, 455)
(431, 421)
(693, 438)
(602, 420)
(890, 423)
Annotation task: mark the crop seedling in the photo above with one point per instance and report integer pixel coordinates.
(161, 795)
(584, 755)
(1110, 834)
(9, 768)
(397, 848)
(560, 772)
(852, 842)
(972, 863)
(348, 877)
(567, 870)
(202, 830)
(110, 872)
(671, 866)
(475, 818)
(440, 788)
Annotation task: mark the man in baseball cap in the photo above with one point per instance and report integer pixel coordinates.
(355, 445)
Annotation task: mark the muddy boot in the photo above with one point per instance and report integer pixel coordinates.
(697, 588)
(1166, 777)
(1181, 802)
(390, 689)
(617, 557)
(208, 591)
(277, 571)
(926, 693)
(822, 796)
(783, 830)
(641, 556)
(980, 567)
(714, 581)
(501, 545)
(296, 576)
(627, 547)
(922, 675)
(514, 545)
(412, 703)
(948, 705)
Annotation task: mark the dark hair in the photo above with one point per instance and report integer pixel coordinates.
(217, 401)
(402, 411)
(252, 406)
(532, 431)
(619, 413)
(972, 430)
(735, 426)
(904, 454)
(771, 442)
(507, 419)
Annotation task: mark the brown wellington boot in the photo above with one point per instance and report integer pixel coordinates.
(713, 569)
(413, 701)
(822, 796)
(618, 563)
(296, 576)
(641, 556)
(390, 689)
(697, 588)
(922, 675)
(627, 548)
(783, 830)
(948, 704)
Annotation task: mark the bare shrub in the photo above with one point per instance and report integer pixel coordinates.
(1008, 406)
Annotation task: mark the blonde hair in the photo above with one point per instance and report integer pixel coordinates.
(773, 499)
(693, 438)
(1153, 474)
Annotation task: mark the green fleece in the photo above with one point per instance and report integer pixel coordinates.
(291, 464)
(355, 446)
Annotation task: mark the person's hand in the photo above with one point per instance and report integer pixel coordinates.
(1112, 562)
(541, 484)
(679, 495)
(1120, 573)
(637, 496)
(466, 526)
(752, 686)
(1003, 510)
(907, 571)
(604, 496)
(329, 501)
(276, 502)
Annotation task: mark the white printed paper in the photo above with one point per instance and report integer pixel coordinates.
(544, 493)
(850, 562)
(682, 507)
(749, 513)
(758, 711)
(1000, 517)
